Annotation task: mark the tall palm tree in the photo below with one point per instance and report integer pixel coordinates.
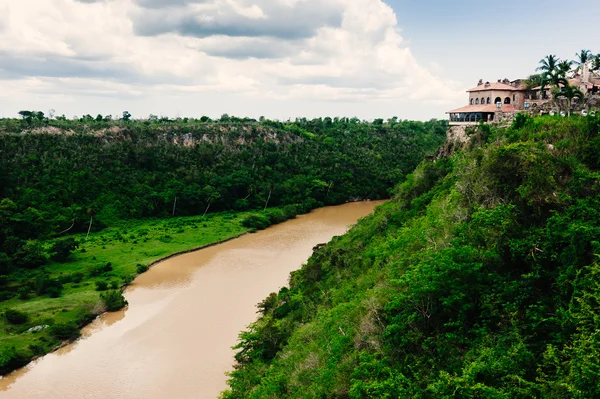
(557, 75)
(548, 64)
(596, 63)
(569, 92)
(583, 57)
(563, 68)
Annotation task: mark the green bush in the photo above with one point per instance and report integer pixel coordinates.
(11, 359)
(141, 268)
(24, 293)
(255, 221)
(101, 269)
(113, 300)
(15, 317)
(64, 331)
(101, 285)
(54, 292)
(6, 295)
(62, 249)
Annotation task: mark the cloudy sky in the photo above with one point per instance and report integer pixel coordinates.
(278, 58)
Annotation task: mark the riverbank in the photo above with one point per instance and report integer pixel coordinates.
(184, 315)
(106, 260)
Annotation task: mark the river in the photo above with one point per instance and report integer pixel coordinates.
(174, 339)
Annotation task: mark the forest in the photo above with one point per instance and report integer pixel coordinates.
(60, 177)
(479, 279)
(88, 203)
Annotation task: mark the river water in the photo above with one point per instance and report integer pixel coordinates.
(184, 315)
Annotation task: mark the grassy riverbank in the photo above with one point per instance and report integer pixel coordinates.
(128, 249)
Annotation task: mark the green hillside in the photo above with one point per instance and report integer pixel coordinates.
(478, 280)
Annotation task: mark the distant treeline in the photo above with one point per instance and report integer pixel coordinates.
(59, 174)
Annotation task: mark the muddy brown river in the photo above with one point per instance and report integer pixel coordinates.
(184, 315)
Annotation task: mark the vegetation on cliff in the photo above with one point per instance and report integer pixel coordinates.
(479, 279)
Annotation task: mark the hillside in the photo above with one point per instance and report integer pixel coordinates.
(59, 171)
(479, 279)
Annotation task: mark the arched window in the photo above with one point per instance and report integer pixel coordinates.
(471, 101)
(482, 100)
(476, 101)
(507, 100)
(488, 100)
(497, 100)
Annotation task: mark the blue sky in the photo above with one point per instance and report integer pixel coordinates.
(495, 39)
(278, 58)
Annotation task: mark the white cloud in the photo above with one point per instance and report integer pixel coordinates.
(280, 50)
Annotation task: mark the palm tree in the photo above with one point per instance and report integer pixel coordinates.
(596, 63)
(548, 64)
(563, 68)
(583, 57)
(569, 92)
(557, 75)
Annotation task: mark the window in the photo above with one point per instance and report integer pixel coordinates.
(471, 101)
(497, 100)
(513, 98)
(507, 100)
(488, 100)
(482, 100)
(476, 101)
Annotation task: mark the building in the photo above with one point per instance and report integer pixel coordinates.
(487, 101)
(498, 101)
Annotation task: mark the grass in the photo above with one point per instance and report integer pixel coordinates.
(125, 246)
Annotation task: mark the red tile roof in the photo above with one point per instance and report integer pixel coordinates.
(487, 108)
(494, 86)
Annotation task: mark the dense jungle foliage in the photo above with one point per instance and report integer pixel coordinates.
(59, 174)
(480, 279)
(87, 204)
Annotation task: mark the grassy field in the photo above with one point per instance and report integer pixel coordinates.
(128, 249)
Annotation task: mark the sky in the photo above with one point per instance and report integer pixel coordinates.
(281, 59)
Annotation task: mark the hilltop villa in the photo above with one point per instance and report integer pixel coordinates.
(496, 101)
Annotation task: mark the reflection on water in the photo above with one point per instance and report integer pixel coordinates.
(184, 315)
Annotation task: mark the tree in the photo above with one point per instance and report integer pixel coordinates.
(553, 71)
(126, 116)
(548, 64)
(63, 248)
(569, 92)
(583, 57)
(596, 63)
(31, 255)
(563, 68)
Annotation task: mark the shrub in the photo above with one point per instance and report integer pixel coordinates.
(23, 293)
(10, 360)
(255, 221)
(64, 331)
(141, 268)
(113, 300)
(63, 248)
(31, 255)
(77, 277)
(54, 292)
(101, 285)
(101, 269)
(15, 316)
(275, 216)
(6, 295)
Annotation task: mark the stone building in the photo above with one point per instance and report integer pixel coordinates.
(488, 100)
(498, 101)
